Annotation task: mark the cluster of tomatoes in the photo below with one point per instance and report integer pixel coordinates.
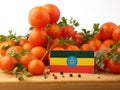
(109, 50)
(33, 52)
(29, 52)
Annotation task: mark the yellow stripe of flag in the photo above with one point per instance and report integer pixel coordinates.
(81, 61)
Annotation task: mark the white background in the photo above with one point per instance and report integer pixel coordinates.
(14, 13)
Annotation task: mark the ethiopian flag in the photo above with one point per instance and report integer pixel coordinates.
(72, 61)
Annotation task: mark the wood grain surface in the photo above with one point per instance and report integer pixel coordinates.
(104, 81)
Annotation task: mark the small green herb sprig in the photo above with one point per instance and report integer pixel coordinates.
(20, 72)
(10, 36)
(65, 22)
(104, 54)
(90, 34)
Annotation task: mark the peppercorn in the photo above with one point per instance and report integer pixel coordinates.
(53, 74)
(71, 75)
(63, 76)
(45, 76)
(61, 73)
(79, 75)
(55, 77)
(47, 72)
(98, 77)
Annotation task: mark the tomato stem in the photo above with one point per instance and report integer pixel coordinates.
(48, 50)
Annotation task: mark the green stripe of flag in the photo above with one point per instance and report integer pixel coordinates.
(82, 54)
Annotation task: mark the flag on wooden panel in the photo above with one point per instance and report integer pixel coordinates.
(72, 61)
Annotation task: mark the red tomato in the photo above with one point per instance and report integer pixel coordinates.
(114, 66)
(7, 43)
(68, 31)
(103, 46)
(54, 31)
(39, 17)
(97, 36)
(38, 51)
(7, 63)
(36, 67)
(106, 30)
(0, 62)
(2, 52)
(27, 46)
(14, 49)
(22, 42)
(53, 11)
(108, 42)
(106, 45)
(72, 47)
(38, 37)
(88, 47)
(116, 33)
(58, 48)
(95, 42)
(78, 39)
(26, 59)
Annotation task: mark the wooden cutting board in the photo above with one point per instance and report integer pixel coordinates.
(67, 81)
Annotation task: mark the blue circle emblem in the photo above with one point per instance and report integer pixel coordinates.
(72, 61)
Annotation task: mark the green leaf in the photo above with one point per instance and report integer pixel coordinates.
(100, 57)
(84, 31)
(20, 71)
(18, 66)
(96, 27)
(102, 65)
(31, 28)
(70, 41)
(118, 44)
(13, 36)
(4, 47)
(97, 61)
(49, 39)
(15, 69)
(15, 54)
(27, 74)
(10, 36)
(118, 57)
(113, 47)
(63, 22)
(90, 34)
(2, 38)
(64, 41)
(23, 52)
(11, 53)
(20, 78)
(71, 22)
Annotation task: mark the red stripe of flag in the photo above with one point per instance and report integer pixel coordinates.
(77, 69)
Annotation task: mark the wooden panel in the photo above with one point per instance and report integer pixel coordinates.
(85, 82)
